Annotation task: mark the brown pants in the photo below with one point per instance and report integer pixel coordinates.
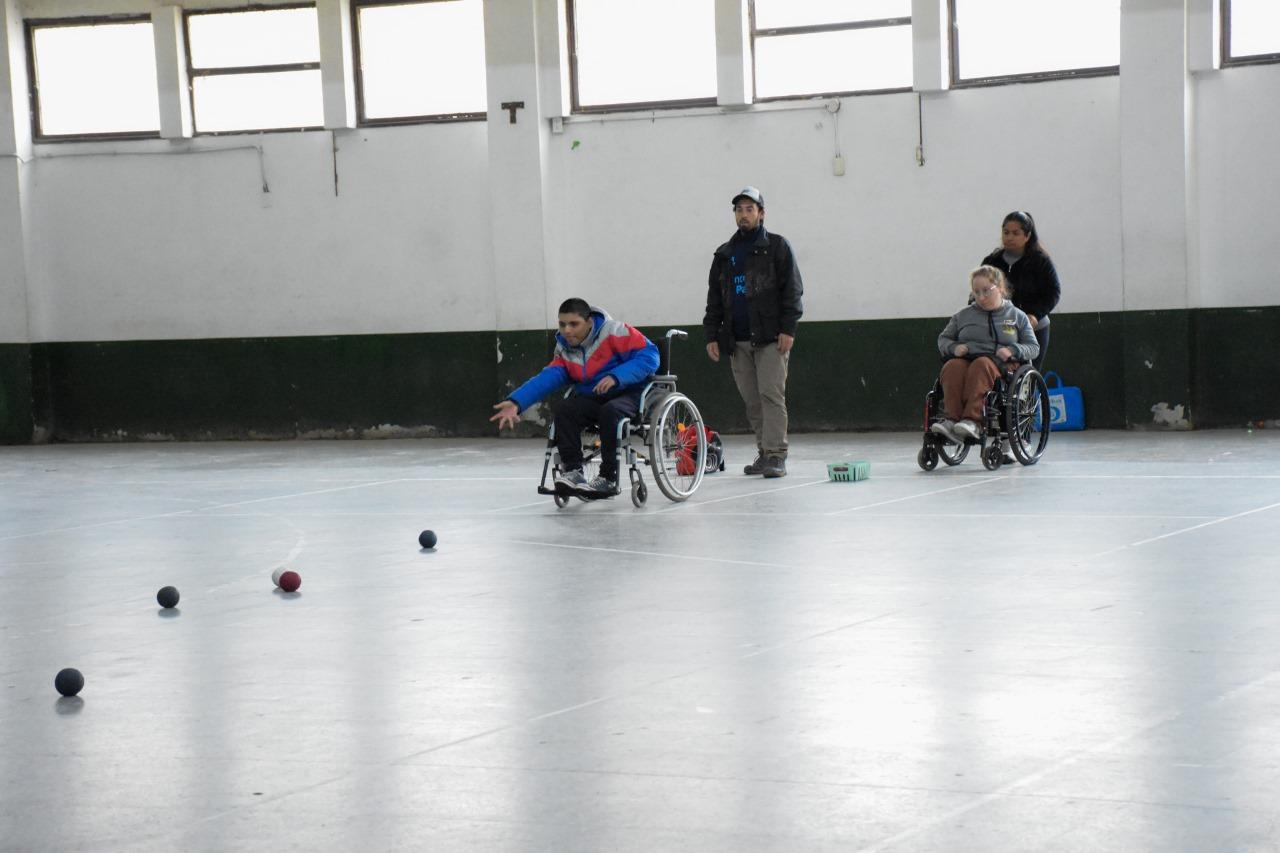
(965, 385)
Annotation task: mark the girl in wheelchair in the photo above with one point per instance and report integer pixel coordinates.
(986, 346)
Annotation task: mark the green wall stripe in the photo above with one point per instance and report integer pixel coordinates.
(856, 375)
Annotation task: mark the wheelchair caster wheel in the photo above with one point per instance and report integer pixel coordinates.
(927, 458)
(992, 457)
(639, 494)
(562, 501)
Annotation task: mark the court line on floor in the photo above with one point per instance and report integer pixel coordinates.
(179, 512)
(1172, 533)
(735, 497)
(1064, 762)
(651, 554)
(919, 495)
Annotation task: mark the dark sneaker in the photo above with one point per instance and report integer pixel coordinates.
(775, 466)
(756, 467)
(572, 480)
(600, 486)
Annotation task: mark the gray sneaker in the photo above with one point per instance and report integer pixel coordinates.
(756, 467)
(775, 466)
(947, 429)
(967, 430)
(600, 486)
(572, 480)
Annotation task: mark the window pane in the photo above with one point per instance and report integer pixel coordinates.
(659, 50)
(999, 37)
(96, 79)
(273, 37)
(422, 59)
(281, 99)
(839, 61)
(1255, 27)
(801, 13)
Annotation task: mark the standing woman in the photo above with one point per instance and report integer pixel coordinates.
(1030, 273)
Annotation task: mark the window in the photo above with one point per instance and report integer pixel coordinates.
(93, 78)
(255, 69)
(829, 47)
(659, 52)
(1250, 31)
(420, 60)
(1000, 40)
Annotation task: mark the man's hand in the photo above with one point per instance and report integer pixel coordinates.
(603, 386)
(508, 414)
(961, 350)
(1004, 354)
(785, 342)
(713, 351)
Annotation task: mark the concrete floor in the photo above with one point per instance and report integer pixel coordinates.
(1082, 655)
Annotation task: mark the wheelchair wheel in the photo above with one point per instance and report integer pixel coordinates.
(952, 454)
(715, 456)
(1027, 415)
(677, 446)
(927, 458)
(561, 501)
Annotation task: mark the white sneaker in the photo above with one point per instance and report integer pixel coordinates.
(967, 430)
(947, 429)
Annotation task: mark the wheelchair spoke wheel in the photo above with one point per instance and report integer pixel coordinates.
(1027, 414)
(677, 447)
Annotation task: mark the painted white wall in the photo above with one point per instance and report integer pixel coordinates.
(188, 245)
(1238, 170)
(137, 240)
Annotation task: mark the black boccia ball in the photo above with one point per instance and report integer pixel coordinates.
(68, 682)
(427, 539)
(167, 596)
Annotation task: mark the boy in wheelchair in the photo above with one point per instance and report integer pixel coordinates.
(608, 364)
(983, 339)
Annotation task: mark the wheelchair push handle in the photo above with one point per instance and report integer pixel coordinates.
(664, 349)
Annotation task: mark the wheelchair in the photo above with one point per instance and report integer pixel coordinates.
(1016, 410)
(668, 435)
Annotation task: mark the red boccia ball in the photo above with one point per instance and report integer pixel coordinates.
(290, 581)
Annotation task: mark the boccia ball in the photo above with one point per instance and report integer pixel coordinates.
(275, 576)
(68, 682)
(167, 596)
(290, 581)
(427, 539)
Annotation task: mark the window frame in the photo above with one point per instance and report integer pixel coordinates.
(862, 24)
(356, 53)
(958, 82)
(30, 25)
(1225, 44)
(575, 105)
(193, 72)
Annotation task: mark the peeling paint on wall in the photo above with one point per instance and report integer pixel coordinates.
(497, 342)
(1173, 418)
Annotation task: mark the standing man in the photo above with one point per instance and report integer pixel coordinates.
(608, 363)
(753, 305)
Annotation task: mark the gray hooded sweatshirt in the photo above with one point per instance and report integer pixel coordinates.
(987, 331)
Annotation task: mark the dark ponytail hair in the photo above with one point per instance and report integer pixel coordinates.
(1028, 226)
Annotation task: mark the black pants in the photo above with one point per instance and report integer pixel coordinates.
(583, 410)
(1042, 338)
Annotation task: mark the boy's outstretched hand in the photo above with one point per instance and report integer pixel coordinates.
(507, 414)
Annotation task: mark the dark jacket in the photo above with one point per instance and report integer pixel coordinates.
(774, 292)
(1033, 280)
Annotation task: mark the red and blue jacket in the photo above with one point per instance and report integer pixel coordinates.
(612, 349)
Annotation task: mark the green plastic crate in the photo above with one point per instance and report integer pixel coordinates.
(847, 472)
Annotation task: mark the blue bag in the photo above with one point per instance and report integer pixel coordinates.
(1066, 404)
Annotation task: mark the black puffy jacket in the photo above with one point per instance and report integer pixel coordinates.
(1033, 280)
(774, 292)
